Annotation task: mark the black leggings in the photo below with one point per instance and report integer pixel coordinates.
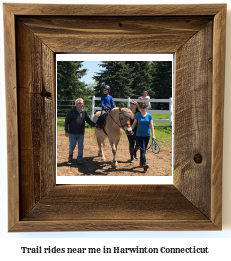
(131, 140)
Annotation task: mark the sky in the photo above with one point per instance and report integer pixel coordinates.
(93, 67)
(91, 61)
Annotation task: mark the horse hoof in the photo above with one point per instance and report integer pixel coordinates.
(114, 165)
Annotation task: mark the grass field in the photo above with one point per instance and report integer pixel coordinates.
(163, 131)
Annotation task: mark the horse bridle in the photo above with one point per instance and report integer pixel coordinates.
(125, 125)
(122, 126)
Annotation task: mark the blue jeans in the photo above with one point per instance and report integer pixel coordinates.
(73, 139)
(142, 142)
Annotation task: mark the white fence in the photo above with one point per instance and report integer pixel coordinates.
(128, 101)
(63, 106)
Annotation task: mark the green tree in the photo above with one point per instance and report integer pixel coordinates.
(142, 77)
(69, 85)
(131, 78)
(118, 76)
(162, 82)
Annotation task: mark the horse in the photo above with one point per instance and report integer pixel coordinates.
(118, 119)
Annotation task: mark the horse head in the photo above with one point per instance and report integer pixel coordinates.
(125, 115)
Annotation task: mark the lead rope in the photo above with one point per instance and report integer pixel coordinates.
(154, 145)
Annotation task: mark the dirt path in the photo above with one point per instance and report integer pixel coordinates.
(159, 164)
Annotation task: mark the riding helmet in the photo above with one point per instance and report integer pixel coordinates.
(107, 87)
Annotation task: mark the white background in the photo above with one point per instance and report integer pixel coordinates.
(218, 242)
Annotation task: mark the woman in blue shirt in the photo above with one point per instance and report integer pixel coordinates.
(143, 133)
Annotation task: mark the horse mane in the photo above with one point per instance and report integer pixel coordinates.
(127, 112)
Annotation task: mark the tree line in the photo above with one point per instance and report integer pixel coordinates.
(126, 79)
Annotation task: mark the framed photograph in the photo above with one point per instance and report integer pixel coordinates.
(127, 75)
(34, 34)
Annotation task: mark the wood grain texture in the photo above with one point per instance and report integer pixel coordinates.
(36, 99)
(108, 202)
(114, 225)
(115, 10)
(193, 103)
(12, 117)
(195, 33)
(193, 125)
(218, 114)
(114, 34)
(108, 207)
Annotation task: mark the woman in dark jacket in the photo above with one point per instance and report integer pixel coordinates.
(131, 138)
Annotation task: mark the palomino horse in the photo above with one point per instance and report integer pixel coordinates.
(117, 120)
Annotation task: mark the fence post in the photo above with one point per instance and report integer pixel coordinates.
(170, 111)
(128, 103)
(92, 107)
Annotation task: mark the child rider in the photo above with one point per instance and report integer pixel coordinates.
(107, 103)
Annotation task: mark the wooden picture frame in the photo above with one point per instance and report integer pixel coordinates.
(33, 34)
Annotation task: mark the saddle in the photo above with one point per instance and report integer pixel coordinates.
(104, 120)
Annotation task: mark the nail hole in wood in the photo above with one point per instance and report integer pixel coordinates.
(45, 94)
(198, 158)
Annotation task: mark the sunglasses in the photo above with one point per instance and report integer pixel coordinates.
(133, 104)
(142, 108)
